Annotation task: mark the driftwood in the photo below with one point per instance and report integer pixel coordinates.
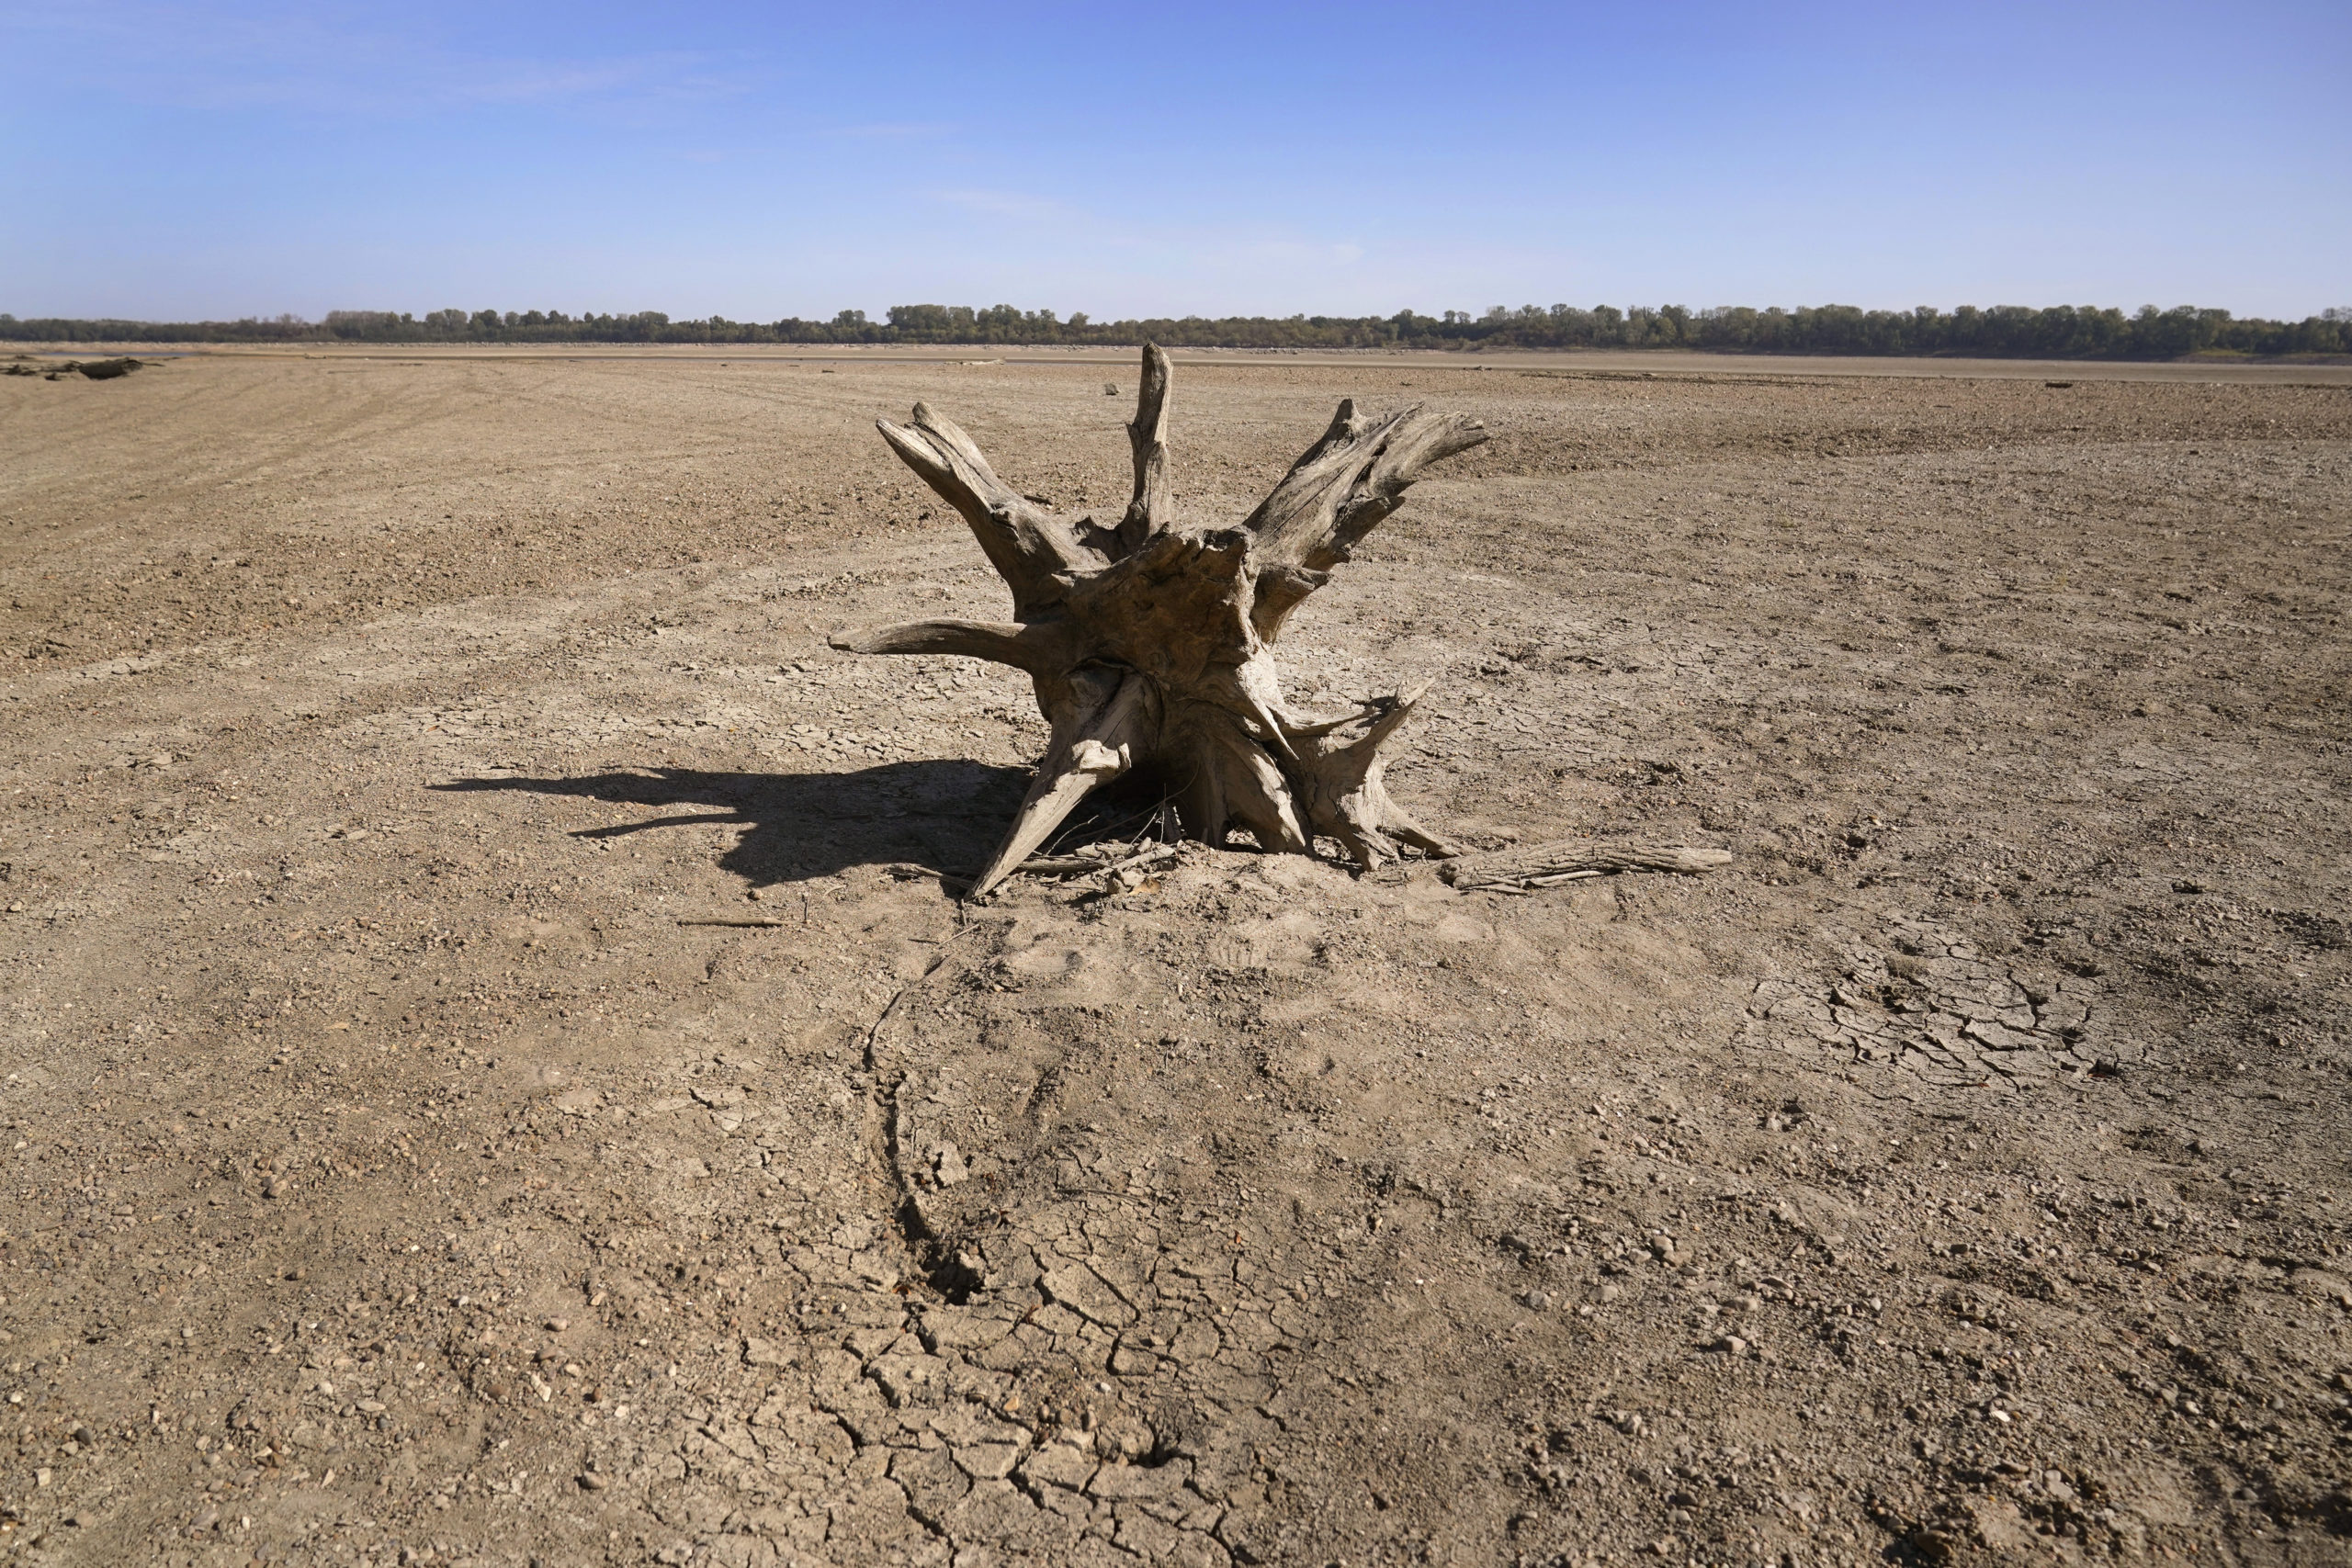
(1089, 865)
(1571, 859)
(1151, 644)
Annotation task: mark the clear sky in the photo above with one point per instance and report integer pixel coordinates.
(205, 159)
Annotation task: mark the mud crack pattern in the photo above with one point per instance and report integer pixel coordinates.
(1926, 1003)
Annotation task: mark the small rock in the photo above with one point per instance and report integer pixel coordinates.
(766, 1353)
(84, 1436)
(558, 1325)
(1537, 1300)
(1059, 1464)
(990, 1461)
(1610, 1293)
(274, 1188)
(947, 1164)
(592, 1482)
(1125, 1438)
(1730, 1344)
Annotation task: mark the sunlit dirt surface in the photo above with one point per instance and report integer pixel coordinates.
(493, 1072)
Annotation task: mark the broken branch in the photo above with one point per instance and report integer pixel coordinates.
(1567, 858)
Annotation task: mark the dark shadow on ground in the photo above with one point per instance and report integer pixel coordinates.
(944, 817)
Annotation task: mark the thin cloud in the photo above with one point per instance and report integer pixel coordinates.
(1016, 204)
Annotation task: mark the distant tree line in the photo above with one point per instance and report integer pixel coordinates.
(2060, 331)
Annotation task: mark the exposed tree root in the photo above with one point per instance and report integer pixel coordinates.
(1151, 644)
(1567, 860)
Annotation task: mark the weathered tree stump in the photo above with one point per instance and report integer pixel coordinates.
(1152, 646)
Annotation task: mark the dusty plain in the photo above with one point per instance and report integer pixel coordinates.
(495, 1071)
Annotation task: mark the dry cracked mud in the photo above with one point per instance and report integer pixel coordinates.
(495, 1073)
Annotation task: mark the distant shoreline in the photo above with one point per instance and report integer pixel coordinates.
(2070, 332)
(1661, 364)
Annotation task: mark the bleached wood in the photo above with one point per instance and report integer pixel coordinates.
(1339, 490)
(1090, 750)
(1039, 650)
(1148, 513)
(1345, 795)
(1571, 857)
(1149, 644)
(1031, 549)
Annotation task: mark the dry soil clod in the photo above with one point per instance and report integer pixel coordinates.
(1152, 646)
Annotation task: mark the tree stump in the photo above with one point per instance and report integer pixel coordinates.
(1152, 646)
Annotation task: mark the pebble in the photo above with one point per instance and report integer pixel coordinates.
(1538, 1300)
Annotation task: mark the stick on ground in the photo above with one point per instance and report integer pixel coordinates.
(1567, 860)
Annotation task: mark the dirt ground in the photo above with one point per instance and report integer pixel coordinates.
(494, 1072)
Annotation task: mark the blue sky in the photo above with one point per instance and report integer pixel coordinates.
(169, 160)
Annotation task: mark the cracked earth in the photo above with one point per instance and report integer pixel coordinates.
(495, 1072)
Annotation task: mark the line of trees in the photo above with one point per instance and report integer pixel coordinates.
(2060, 331)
